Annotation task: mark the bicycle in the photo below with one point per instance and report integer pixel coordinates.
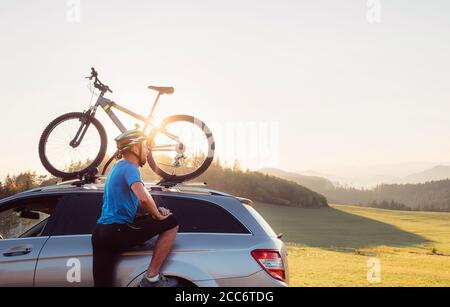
(81, 138)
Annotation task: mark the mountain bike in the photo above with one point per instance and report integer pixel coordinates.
(181, 147)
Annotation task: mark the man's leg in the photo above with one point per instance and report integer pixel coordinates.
(143, 230)
(103, 258)
(162, 248)
(103, 266)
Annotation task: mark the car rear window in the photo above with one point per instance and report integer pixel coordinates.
(78, 214)
(261, 221)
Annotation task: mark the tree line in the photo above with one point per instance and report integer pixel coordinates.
(261, 187)
(429, 196)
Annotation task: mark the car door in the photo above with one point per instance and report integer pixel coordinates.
(18, 259)
(66, 259)
(20, 247)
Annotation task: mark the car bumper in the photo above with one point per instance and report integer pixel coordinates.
(259, 279)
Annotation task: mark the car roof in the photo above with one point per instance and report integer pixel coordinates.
(152, 186)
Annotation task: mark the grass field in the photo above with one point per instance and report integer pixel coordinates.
(332, 246)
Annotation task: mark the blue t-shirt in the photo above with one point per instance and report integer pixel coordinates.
(119, 201)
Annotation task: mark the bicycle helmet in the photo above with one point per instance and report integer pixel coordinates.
(129, 138)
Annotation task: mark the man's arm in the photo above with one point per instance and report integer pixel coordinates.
(146, 200)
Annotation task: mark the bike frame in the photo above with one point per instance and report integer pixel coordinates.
(107, 104)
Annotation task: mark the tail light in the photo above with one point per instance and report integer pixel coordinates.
(271, 262)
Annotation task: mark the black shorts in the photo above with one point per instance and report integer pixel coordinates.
(109, 240)
(124, 236)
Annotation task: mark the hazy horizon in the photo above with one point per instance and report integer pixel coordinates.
(338, 93)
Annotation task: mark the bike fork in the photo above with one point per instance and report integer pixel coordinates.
(85, 122)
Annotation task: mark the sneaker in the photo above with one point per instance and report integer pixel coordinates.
(162, 282)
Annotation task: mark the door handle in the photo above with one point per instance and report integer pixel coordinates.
(18, 251)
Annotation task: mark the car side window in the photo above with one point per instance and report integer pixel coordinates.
(198, 216)
(76, 214)
(26, 217)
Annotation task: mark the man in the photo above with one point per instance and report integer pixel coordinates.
(116, 229)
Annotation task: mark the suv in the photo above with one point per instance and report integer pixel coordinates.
(222, 240)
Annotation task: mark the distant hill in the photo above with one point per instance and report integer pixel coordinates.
(416, 175)
(315, 183)
(439, 172)
(261, 187)
(428, 196)
(368, 181)
(363, 181)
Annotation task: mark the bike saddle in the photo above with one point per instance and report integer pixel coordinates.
(163, 89)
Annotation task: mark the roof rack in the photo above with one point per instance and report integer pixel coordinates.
(185, 187)
(90, 176)
(89, 179)
(81, 178)
(173, 181)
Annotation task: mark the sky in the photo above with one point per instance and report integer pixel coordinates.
(298, 85)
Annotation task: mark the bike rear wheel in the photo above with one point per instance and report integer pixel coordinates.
(65, 160)
(195, 153)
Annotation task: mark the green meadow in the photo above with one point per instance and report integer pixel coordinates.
(332, 246)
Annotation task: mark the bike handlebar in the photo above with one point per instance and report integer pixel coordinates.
(93, 72)
(97, 83)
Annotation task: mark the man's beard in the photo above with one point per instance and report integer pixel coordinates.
(142, 158)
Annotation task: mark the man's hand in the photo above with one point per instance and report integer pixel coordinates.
(163, 214)
(164, 211)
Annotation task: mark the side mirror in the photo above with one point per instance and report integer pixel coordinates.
(32, 215)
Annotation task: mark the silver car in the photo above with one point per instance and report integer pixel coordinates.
(222, 240)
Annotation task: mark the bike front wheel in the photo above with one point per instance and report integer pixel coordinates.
(72, 144)
(181, 149)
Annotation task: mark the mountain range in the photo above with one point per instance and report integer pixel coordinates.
(428, 190)
(321, 182)
(439, 172)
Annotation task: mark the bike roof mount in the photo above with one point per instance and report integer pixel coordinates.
(91, 176)
(172, 181)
